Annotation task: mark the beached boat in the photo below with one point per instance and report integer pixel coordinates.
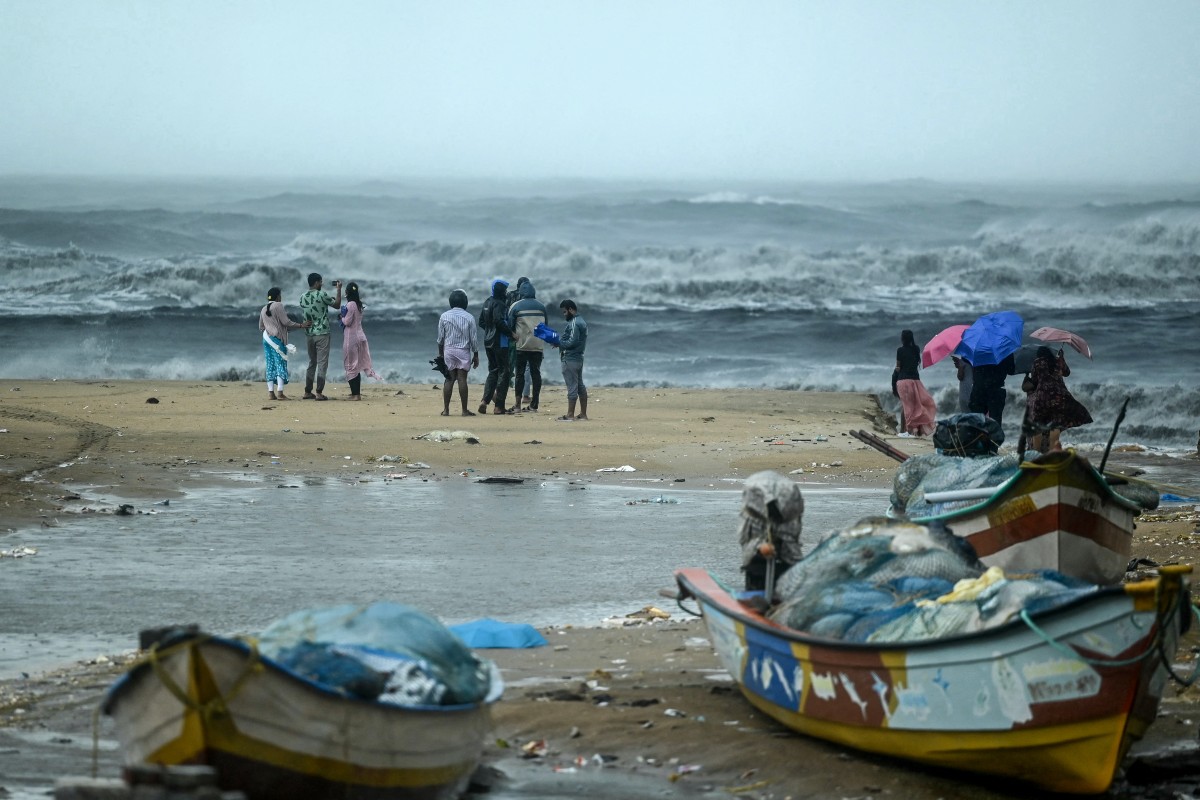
(271, 734)
(1056, 512)
(1054, 698)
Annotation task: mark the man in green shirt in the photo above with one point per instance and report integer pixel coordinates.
(315, 303)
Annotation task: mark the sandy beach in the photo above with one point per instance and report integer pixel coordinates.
(633, 711)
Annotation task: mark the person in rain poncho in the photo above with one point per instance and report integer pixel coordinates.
(772, 508)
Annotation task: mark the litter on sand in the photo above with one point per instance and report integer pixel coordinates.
(659, 499)
(625, 468)
(447, 436)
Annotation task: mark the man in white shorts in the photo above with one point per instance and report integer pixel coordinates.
(458, 347)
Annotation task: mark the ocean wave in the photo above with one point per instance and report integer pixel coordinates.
(408, 275)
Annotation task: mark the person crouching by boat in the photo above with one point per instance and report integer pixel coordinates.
(918, 411)
(1052, 409)
(274, 322)
(772, 511)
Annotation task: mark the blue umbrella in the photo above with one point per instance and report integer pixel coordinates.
(492, 633)
(991, 338)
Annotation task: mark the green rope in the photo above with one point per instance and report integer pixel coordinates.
(1071, 653)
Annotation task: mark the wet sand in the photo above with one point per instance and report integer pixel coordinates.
(594, 691)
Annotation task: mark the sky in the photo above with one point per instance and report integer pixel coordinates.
(1086, 90)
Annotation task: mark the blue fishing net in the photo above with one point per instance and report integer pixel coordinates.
(386, 637)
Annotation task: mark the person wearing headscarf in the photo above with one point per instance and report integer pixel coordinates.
(274, 322)
(356, 354)
(918, 411)
(772, 520)
(1051, 408)
(458, 347)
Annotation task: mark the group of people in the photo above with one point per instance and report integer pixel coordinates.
(515, 330)
(513, 322)
(1049, 408)
(274, 323)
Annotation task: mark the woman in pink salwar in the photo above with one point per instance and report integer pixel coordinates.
(918, 411)
(356, 355)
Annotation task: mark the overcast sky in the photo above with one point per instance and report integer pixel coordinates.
(954, 90)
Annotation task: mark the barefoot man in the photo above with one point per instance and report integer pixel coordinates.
(571, 344)
(457, 345)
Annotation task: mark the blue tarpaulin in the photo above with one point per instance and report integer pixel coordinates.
(492, 633)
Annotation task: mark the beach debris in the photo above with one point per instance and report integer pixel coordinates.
(575, 732)
(659, 499)
(395, 476)
(419, 465)
(822, 438)
(448, 436)
(708, 419)
(674, 712)
(313, 433)
(386, 459)
(624, 468)
(152, 400)
(681, 770)
(3, 430)
(534, 749)
(500, 479)
(533, 441)
(124, 510)
(647, 613)
(797, 471)
(19, 552)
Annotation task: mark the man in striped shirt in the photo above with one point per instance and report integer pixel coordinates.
(458, 347)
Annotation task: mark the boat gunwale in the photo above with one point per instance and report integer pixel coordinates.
(1003, 489)
(124, 683)
(1017, 624)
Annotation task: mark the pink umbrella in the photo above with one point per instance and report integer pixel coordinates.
(942, 345)
(1056, 335)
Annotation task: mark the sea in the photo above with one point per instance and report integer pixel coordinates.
(715, 284)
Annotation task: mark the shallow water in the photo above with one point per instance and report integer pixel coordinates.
(235, 558)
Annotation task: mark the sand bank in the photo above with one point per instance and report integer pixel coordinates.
(137, 439)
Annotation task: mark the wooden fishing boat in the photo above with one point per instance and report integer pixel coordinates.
(271, 734)
(1056, 512)
(1054, 698)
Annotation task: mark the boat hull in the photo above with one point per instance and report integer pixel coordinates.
(1056, 513)
(272, 734)
(1058, 706)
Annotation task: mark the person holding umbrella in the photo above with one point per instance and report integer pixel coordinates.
(988, 346)
(1051, 408)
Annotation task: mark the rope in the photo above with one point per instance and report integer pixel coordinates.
(1166, 662)
(1072, 653)
(218, 705)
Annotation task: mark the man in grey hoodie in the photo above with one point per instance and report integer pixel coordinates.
(523, 316)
